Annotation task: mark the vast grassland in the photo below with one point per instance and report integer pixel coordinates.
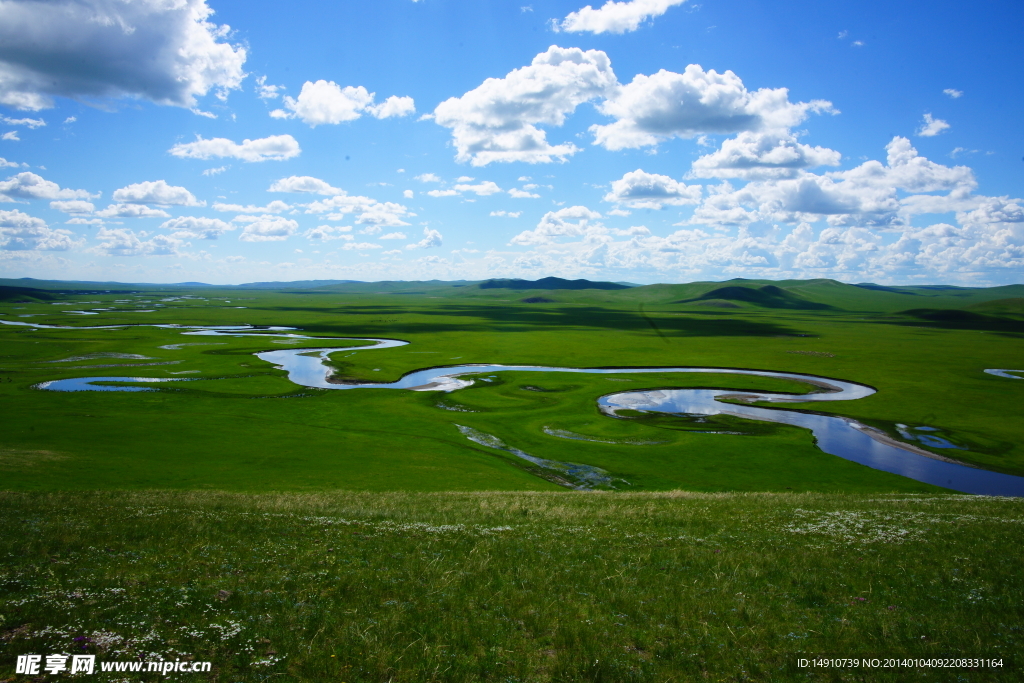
(295, 534)
(245, 427)
(523, 587)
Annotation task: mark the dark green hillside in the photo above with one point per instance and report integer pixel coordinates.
(550, 283)
(84, 287)
(768, 296)
(24, 294)
(400, 287)
(298, 284)
(1000, 307)
(964, 320)
(796, 294)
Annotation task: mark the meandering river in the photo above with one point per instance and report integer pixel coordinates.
(839, 436)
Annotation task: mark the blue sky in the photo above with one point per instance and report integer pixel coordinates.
(644, 141)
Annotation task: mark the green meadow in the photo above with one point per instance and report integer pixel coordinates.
(715, 556)
(515, 587)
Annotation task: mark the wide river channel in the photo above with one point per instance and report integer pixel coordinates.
(839, 436)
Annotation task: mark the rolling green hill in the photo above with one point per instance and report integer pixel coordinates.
(24, 294)
(768, 296)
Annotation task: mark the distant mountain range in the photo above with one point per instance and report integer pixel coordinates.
(85, 284)
(515, 283)
(551, 283)
(924, 302)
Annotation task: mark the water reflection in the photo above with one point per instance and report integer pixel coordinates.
(840, 436)
(89, 383)
(1006, 373)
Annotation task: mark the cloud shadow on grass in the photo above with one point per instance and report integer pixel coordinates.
(505, 318)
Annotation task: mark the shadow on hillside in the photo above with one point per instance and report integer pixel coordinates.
(955, 319)
(24, 295)
(768, 296)
(507, 318)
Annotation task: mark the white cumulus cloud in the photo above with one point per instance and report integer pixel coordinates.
(641, 190)
(20, 219)
(497, 121)
(28, 185)
(573, 221)
(326, 102)
(166, 51)
(22, 232)
(31, 123)
(124, 242)
(482, 189)
(431, 238)
(306, 184)
(267, 228)
(386, 214)
(266, 91)
(931, 126)
(272, 148)
(156, 192)
(615, 17)
(197, 227)
(864, 196)
(329, 232)
(762, 155)
(393, 107)
(131, 211)
(276, 206)
(74, 206)
(654, 108)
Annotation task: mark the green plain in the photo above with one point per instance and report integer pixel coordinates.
(239, 424)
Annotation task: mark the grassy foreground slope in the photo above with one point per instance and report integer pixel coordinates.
(245, 427)
(515, 587)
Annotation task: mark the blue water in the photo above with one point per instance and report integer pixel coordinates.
(88, 383)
